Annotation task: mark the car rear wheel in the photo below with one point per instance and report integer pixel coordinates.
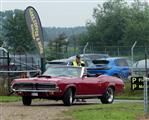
(108, 97)
(68, 97)
(26, 100)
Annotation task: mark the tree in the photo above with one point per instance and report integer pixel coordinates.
(137, 26)
(118, 23)
(16, 31)
(109, 23)
(58, 46)
(3, 15)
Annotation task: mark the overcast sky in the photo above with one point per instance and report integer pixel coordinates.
(58, 13)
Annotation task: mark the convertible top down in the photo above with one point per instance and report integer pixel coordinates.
(67, 84)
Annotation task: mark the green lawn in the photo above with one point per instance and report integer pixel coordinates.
(130, 94)
(117, 111)
(9, 98)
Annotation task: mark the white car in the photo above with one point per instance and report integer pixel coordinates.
(139, 67)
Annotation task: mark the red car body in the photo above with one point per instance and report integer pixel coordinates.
(67, 87)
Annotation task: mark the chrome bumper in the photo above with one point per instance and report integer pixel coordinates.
(50, 90)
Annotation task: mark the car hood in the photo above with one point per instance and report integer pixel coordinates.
(41, 80)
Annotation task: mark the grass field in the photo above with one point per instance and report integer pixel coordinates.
(130, 94)
(117, 111)
(9, 98)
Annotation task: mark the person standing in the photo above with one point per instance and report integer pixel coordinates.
(78, 63)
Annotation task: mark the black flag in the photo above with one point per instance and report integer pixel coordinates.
(34, 26)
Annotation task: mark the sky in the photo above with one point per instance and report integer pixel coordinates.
(57, 13)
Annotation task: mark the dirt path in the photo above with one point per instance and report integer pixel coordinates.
(41, 110)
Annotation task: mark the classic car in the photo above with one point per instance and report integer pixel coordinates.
(67, 84)
(57, 62)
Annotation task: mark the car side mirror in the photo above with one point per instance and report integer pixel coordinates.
(84, 75)
(82, 64)
(97, 75)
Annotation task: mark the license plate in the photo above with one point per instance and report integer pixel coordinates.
(34, 94)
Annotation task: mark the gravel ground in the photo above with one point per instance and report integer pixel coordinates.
(43, 110)
(40, 110)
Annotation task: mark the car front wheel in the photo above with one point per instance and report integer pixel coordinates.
(68, 98)
(108, 97)
(26, 100)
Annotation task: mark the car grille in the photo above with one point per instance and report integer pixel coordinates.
(34, 86)
(41, 86)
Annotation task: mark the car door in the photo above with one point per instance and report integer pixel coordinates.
(123, 68)
(87, 85)
(90, 86)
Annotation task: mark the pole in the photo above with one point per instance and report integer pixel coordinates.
(145, 83)
(145, 86)
(42, 64)
(118, 51)
(85, 48)
(132, 48)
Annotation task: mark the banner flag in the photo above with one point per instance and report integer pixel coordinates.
(35, 28)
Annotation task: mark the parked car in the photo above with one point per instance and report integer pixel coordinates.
(67, 84)
(59, 62)
(139, 67)
(68, 62)
(141, 64)
(19, 62)
(22, 62)
(113, 66)
(92, 56)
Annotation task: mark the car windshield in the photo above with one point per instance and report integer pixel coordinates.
(100, 62)
(63, 71)
(95, 56)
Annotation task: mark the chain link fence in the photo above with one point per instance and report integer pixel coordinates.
(26, 62)
(6, 78)
(14, 66)
(112, 51)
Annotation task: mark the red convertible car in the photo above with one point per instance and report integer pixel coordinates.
(67, 84)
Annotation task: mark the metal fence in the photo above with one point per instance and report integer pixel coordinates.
(6, 78)
(113, 51)
(24, 62)
(18, 61)
(116, 51)
(14, 66)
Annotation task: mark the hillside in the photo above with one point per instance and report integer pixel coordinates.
(51, 33)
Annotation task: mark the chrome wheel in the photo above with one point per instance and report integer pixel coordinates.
(68, 97)
(108, 97)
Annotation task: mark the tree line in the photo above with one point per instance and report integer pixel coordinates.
(14, 34)
(117, 22)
